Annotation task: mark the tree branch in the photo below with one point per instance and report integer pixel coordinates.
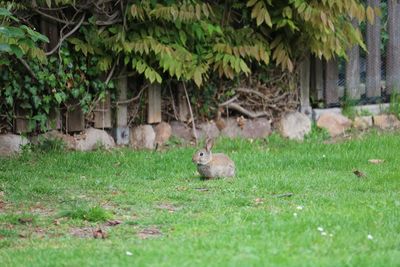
(67, 35)
(191, 114)
(246, 112)
(25, 64)
(133, 98)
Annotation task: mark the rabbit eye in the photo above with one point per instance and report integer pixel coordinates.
(201, 154)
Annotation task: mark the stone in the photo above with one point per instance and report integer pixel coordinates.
(335, 124)
(163, 132)
(256, 128)
(67, 139)
(181, 131)
(318, 112)
(373, 109)
(143, 137)
(363, 122)
(207, 130)
(386, 121)
(92, 139)
(231, 128)
(294, 125)
(11, 144)
(121, 135)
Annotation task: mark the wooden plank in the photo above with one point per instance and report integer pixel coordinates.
(121, 130)
(304, 72)
(154, 104)
(393, 48)
(373, 79)
(122, 108)
(54, 122)
(75, 118)
(353, 70)
(21, 122)
(102, 113)
(183, 109)
(331, 92)
(319, 78)
(316, 79)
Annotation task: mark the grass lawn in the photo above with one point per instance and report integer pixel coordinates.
(50, 204)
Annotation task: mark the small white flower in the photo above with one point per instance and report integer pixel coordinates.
(295, 214)
(324, 156)
(331, 235)
(320, 229)
(299, 207)
(128, 253)
(370, 237)
(323, 233)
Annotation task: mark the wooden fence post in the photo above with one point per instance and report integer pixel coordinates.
(102, 113)
(154, 104)
(353, 90)
(373, 81)
(317, 79)
(50, 29)
(121, 132)
(331, 92)
(183, 108)
(75, 117)
(54, 122)
(21, 122)
(304, 73)
(393, 48)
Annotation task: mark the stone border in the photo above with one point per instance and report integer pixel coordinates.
(374, 109)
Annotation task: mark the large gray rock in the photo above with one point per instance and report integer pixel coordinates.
(294, 125)
(231, 128)
(181, 130)
(207, 130)
(256, 128)
(143, 137)
(11, 144)
(68, 140)
(335, 124)
(317, 112)
(92, 139)
(363, 122)
(163, 132)
(247, 128)
(386, 121)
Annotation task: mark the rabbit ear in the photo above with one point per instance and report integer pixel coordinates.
(209, 144)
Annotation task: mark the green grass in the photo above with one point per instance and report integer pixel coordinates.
(227, 222)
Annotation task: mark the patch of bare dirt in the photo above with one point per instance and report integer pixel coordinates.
(169, 207)
(82, 232)
(150, 232)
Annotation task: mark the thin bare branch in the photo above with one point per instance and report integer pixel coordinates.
(191, 114)
(133, 98)
(66, 36)
(26, 65)
(246, 112)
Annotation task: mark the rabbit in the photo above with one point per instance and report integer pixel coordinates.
(212, 166)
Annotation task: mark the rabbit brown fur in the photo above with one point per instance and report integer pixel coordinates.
(211, 165)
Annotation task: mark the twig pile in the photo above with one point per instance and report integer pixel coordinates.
(262, 101)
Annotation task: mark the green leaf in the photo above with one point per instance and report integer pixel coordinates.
(5, 12)
(16, 50)
(267, 18)
(5, 48)
(12, 32)
(58, 98)
(251, 3)
(197, 77)
(4, 61)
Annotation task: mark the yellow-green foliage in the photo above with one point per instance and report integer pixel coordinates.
(189, 40)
